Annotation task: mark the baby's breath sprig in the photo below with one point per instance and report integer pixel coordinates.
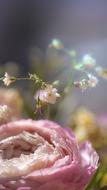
(46, 93)
(90, 81)
(37, 80)
(7, 79)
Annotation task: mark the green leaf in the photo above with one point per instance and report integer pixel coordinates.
(96, 180)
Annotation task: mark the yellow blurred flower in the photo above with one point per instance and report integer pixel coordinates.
(83, 123)
(5, 114)
(104, 180)
(12, 98)
(86, 127)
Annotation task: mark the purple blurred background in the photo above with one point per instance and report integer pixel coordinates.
(81, 25)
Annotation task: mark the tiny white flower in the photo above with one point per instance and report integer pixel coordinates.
(5, 114)
(7, 79)
(88, 61)
(85, 83)
(56, 44)
(47, 95)
(92, 80)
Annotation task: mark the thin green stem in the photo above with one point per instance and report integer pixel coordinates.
(24, 79)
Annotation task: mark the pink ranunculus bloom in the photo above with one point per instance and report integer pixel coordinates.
(40, 155)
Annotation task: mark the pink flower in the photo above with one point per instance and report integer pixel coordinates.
(47, 95)
(40, 155)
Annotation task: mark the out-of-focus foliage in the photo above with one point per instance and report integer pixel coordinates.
(86, 127)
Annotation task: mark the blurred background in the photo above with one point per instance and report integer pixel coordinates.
(28, 26)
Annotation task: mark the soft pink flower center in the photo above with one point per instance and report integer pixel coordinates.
(25, 152)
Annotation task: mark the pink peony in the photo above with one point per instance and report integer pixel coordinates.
(40, 155)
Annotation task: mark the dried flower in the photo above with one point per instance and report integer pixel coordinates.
(47, 95)
(8, 79)
(5, 114)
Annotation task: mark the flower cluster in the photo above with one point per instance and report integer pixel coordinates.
(91, 81)
(41, 154)
(47, 95)
(88, 62)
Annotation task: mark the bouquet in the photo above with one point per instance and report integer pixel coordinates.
(36, 153)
